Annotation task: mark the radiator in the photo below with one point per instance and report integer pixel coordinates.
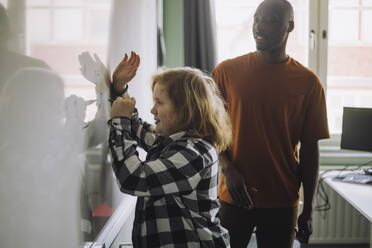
(341, 224)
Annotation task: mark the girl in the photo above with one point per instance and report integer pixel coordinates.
(177, 183)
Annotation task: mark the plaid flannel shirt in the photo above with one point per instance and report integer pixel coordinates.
(176, 186)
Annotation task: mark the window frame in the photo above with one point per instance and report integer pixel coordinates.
(359, 42)
(330, 151)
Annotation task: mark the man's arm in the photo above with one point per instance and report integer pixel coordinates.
(309, 170)
(235, 181)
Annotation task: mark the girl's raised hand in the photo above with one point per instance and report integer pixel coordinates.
(125, 71)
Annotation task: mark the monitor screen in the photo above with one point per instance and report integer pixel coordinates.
(357, 129)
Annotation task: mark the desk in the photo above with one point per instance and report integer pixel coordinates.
(358, 195)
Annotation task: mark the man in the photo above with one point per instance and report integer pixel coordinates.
(275, 103)
(11, 62)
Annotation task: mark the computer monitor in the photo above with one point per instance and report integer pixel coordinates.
(357, 129)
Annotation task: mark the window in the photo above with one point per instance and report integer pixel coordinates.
(58, 31)
(234, 25)
(349, 77)
(351, 17)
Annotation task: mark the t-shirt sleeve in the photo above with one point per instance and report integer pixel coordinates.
(316, 123)
(219, 77)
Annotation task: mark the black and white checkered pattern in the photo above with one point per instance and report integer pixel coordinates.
(176, 186)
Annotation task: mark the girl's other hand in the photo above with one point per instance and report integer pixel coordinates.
(123, 107)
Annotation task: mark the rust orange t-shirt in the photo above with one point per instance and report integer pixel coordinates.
(272, 108)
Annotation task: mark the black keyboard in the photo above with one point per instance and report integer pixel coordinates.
(354, 178)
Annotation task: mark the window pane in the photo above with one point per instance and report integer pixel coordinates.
(68, 25)
(98, 25)
(366, 25)
(95, 1)
(367, 2)
(344, 3)
(342, 22)
(68, 2)
(38, 25)
(234, 27)
(349, 79)
(37, 2)
(298, 40)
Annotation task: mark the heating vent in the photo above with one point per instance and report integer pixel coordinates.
(341, 224)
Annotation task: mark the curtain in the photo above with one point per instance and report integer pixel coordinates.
(200, 34)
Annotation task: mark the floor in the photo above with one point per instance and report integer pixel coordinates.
(252, 244)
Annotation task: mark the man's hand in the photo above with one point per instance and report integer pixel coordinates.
(305, 228)
(125, 71)
(235, 183)
(123, 107)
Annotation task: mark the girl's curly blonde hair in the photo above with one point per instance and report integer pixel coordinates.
(200, 109)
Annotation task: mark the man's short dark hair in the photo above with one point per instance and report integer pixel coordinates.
(287, 6)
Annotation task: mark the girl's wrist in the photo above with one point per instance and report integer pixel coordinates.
(120, 90)
(115, 94)
(120, 116)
